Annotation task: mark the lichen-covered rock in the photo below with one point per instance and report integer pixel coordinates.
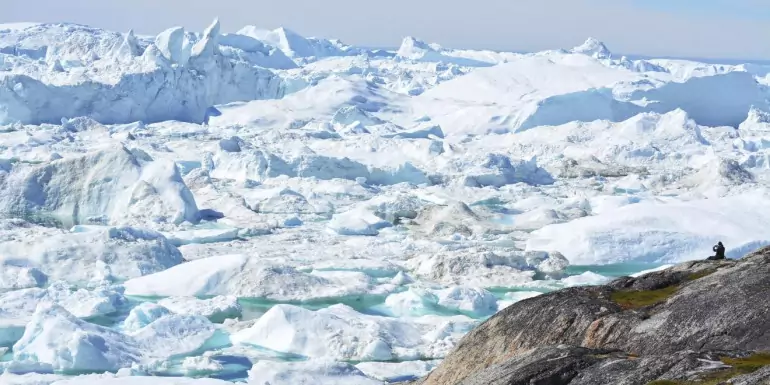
(682, 313)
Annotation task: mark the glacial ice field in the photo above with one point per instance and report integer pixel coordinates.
(261, 207)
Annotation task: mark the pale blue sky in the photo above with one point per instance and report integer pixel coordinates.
(693, 28)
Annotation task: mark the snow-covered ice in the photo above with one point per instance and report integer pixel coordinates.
(267, 207)
(313, 372)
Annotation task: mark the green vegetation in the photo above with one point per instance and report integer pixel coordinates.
(701, 274)
(739, 366)
(636, 299)
(749, 364)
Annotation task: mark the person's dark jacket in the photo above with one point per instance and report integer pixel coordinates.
(720, 251)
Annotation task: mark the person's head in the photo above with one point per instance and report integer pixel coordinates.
(720, 243)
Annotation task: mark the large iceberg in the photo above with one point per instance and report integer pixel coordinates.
(159, 85)
(316, 372)
(57, 340)
(110, 186)
(341, 333)
(111, 253)
(251, 277)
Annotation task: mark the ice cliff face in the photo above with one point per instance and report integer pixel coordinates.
(173, 79)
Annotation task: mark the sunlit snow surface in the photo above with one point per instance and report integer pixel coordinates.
(266, 208)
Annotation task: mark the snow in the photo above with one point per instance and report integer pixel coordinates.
(331, 204)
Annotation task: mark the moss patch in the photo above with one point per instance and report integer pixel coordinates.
(749, 364)
(739, 366)
(636, 299)
(701, 274)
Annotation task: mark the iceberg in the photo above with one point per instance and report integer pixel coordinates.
(317, 372)
(339, 332)
(250, 277)
(56, 339)
(118, 189)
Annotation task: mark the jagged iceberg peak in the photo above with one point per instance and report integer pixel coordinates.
(286, 40)
(174, 45)
(593, 47)
(411, 43)
(209, 43)
(129, 48)
(757, 115)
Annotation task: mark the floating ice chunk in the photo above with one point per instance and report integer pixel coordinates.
(339, 332)
(468, 299)
(117, 188)
(413, 302)
(138, 380)
(178, 335)
(143, 315)
(249, 277)
(417, 301)
(15, 278)
(195, 366)
(372, 268)
(313, 372)
(279, 201)
(498, 170)
(553, 263)
(516, 296)
(57, 339)
(397, 371)
(230, 145)
(216, 309)
(292, 221)
(84, 303)
(402, 279)
(112, 253)
(357, 222)
(483, 268)
(588, 278)
(21, 304)
(202, 236)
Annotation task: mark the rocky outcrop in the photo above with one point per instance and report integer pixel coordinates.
(698, 321)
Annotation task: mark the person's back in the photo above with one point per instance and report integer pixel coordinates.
(719, 249)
